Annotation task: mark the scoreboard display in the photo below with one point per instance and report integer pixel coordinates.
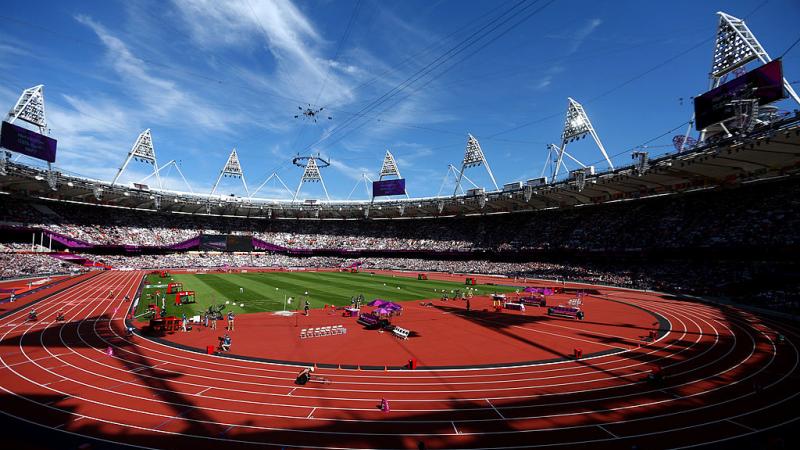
(239, 243)
(226, 243)
(389, 187)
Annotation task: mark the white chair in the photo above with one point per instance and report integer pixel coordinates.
(303, 333)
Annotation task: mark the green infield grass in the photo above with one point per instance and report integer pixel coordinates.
(270, 291)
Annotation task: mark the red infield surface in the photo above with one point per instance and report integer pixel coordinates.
(726, 376)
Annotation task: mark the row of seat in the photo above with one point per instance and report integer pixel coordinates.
(401, 332)
(322, 331)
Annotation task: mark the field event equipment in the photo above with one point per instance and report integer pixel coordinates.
(214, 312)
(184, 297)
(173, 288)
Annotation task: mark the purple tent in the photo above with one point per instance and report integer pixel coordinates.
(377, 302)
(538, 290)
(382, 311)
(392, 306)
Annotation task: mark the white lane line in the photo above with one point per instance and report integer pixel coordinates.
(311, 413)
(38, 359)
(54, 382)
(742, 425)
(672, 394)
(606, 430)
(175, 417)
(56, 367)
(290, 392)
(70, 421)
(203, 391)
(495, 410)
(139, 369)
(454, 427)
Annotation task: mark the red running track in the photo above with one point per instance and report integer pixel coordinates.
(727, 377)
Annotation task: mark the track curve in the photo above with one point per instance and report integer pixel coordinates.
(726, 378)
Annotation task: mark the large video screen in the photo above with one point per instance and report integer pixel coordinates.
(213, 242)
(226, 243)
(389, 187)
(239, 243)
(27, 142)
(764, 83)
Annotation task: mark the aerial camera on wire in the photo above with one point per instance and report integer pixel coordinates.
(309, 113)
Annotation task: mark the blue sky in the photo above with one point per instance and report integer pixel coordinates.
(207, 76)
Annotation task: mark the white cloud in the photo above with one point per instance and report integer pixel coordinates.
(288, 35)
(352, 172)
(580, 36)
(160, 98)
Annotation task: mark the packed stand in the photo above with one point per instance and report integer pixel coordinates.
(759, 215)
(14, 265)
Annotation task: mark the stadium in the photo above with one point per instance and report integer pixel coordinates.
(646, 305)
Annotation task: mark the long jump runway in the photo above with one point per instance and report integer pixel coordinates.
(728, 381)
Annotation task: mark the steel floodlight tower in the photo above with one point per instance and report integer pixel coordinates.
(366, 180)
(30, 108)
(473, 157)
(389, 169)
(275, 176)
(736, 46)
(231, 169)
(142, 151)
(311, 173)
(576, 126)
(170, 164)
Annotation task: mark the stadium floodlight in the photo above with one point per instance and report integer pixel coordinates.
(52, 180)
(576, 126)
(735, 46)
(231, 169)
(389, 166)
(527, 192)
(30, 108)
(641, 161)
(4, 155)
(473, 157)
(311, 173)
(142, 151)
(389, 169)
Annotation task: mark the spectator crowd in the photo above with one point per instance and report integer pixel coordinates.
(766, 214)
(759, 216)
